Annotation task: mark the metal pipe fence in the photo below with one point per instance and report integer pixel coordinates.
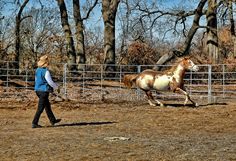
(92, 83)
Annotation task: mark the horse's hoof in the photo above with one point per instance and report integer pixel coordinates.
(152, 104)
(162, 105)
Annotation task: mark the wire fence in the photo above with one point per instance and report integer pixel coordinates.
(92, 83)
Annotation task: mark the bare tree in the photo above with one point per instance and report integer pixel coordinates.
(79, 34)
(181, 16)
(232, 25)
(124, 18)
(80, 48)
(195, 25)
(38, 31)
(68, 34)
(140, 20)
(19, 19)
(94, 45)
(76, 53)
(109, 9)
(212, 39)
(1, 20)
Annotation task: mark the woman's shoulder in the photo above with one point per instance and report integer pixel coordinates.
(42, 69)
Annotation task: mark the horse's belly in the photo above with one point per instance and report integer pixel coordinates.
(145, 82)
(161, 83)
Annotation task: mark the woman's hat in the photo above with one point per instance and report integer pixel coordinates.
(43, 61)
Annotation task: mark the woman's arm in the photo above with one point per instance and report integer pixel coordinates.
(50, 81)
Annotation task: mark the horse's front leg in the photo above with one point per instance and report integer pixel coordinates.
(187, 97)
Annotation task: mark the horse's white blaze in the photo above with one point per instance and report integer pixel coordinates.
(162, 82)
(193, 67)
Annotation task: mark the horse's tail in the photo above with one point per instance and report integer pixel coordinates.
(129, 80)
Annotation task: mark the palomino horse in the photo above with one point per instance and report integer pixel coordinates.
(170, 80)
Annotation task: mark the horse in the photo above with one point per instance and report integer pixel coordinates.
(172, 80)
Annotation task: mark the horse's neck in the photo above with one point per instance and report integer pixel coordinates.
(179, 73)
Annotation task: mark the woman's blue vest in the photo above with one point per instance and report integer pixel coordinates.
(40, 81)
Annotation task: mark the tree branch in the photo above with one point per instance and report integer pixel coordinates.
(90, 10)
(22, 7)
(25, 18)
(187, 43)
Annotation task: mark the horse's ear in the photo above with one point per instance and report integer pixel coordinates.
(187, 57)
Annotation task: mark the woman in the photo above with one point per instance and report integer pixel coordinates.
(43, 86)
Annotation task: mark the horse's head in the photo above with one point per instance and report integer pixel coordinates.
(189, 65)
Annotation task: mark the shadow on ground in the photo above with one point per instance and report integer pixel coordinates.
(191, 105)
(84, 124)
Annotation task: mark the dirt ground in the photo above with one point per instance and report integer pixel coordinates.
(122, 131)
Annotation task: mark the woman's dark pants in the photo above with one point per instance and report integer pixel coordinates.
(43, 103)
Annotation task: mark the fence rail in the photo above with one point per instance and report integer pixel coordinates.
(212, 82)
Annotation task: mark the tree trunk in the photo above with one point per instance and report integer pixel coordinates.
(232, 27)
(17, 34)
(80, 49)
(17, 43)
(68, 35)
(212, 39)
(125, 31)
(187, 44)
(109, 9)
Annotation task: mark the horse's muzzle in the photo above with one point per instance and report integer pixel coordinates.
(195, 68)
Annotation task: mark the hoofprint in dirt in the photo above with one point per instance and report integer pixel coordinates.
(119, 131)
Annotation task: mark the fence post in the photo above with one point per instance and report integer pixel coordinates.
(223, 83)
(64, 79)
(7, 75)
(120, 80)
(138, 90)
(209, 83)
(190, 83)
(84, 79)
(26, 78)
(102, 72)
(120, 75)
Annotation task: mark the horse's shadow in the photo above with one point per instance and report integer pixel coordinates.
(84, 124)
(178, 105)
(191, 105)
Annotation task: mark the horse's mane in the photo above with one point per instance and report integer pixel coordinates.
(173, 67)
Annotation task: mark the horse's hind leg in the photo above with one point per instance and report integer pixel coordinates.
(150, 97)
(149, 94)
